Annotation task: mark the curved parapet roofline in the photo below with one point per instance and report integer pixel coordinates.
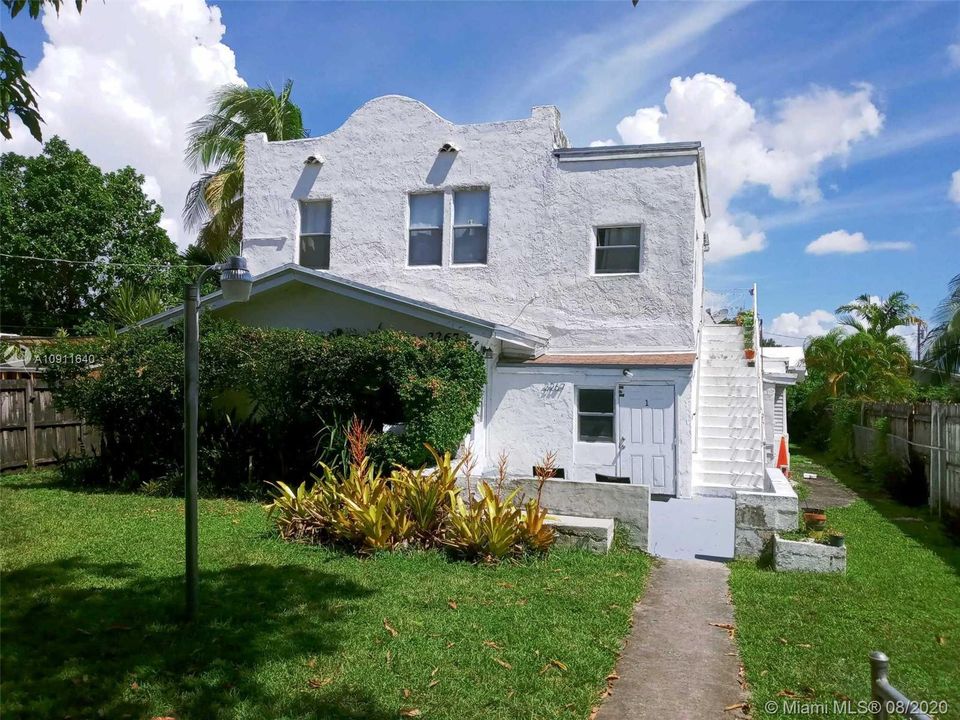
(411, 105)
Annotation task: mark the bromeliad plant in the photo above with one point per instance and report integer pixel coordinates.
(367, 511)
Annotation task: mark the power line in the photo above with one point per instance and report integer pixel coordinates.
(167, 266)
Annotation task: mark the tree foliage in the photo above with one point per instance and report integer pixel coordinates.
(857, 362)
(865, 315)
(942, 346)
(59, 205)
(860, 366)
(268, 398)
(215, 148)
(16, 93)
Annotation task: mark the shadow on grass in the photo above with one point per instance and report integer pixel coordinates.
(85, 639)
(916, 522)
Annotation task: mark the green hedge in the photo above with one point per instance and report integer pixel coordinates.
(272, 401)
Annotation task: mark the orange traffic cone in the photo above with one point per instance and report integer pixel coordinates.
(783, 461)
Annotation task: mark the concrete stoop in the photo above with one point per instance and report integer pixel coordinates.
(593, 534)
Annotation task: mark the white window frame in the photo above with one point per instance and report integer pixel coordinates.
(612, 414)
(442, 228)
(301, 235)
(453, 226)
(595, 238)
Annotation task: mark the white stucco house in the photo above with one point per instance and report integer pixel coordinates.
(579, 270)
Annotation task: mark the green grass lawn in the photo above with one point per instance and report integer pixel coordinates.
(92, 591)
(808, 636)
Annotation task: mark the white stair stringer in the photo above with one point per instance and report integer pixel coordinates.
(729, 439)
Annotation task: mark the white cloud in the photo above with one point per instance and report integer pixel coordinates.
(784, 153)
(955, 186)
(840, 241)
(122, 81)
(592, 71)
(953, 52)
(792, 329)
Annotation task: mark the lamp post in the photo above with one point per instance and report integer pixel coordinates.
(235, 285)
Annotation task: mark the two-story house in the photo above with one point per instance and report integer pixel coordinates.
(579, 269)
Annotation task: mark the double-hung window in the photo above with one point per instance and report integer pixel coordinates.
(426, 229)
(618, 249)
(471, 210)
(315, 234)
(595, 412)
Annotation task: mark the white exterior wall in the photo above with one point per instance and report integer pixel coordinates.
(543, 214)
(532, 410)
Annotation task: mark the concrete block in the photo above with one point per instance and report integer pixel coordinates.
(593, 534)
(748, 543)
(807, 556)
(761, 514)
(627, 504)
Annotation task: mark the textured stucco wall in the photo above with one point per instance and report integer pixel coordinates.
(531, 411)
(542, 218)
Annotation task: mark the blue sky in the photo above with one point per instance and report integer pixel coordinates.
(601, 62)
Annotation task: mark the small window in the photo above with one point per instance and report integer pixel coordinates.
(426, 229)
(618, 249)
(315, 234)
(471, 209)
(595, 415)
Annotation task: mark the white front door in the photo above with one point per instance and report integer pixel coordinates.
(646, 442)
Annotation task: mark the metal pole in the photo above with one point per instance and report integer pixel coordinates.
(191, 376)
(879, 669)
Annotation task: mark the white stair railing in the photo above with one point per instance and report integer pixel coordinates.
(758, 364)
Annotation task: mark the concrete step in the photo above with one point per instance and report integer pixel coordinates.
(722, 346)
(728, 443)
(736, 467)
(725, 479)
(715, 392)
(734, 374)
(719, 416)
(729, 434)
(747, 454)
(721, 330)
(593, 534)
(744, 401)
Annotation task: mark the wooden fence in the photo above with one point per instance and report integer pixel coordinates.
(929, 432)
(32, 431)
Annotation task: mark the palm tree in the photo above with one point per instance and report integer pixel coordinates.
(878, 318)
(214, 203)
(942, 346)
(860, 366)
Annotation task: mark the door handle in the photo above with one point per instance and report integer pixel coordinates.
(623, 443)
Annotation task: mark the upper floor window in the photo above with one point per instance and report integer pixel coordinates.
(471, 209)
(426, 229)
(618, 249)
(315, 234)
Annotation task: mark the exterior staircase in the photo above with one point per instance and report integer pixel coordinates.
(729, 440)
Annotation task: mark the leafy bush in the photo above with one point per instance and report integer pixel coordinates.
(366, 511)
(844, 413)
(270, 399)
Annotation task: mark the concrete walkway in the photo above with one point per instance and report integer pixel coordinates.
(677, 664)
(825, 492)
